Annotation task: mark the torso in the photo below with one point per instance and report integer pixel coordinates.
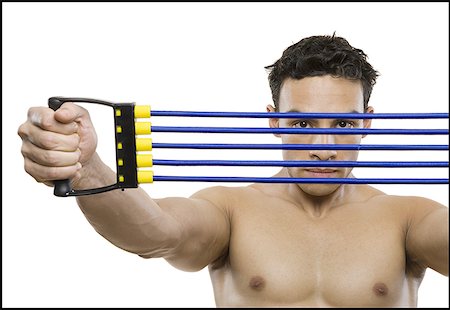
(279, 255)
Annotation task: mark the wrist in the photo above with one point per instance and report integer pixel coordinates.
(94, 173)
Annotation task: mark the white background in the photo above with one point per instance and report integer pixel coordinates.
(187, 56)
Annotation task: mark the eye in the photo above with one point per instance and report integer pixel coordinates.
(301, 124)
(342, 124)
(345, 124)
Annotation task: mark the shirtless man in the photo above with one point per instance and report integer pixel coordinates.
(305, 245)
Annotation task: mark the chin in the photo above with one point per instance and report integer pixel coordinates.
(319, 190)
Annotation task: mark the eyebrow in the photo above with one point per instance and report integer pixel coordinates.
(297, 111)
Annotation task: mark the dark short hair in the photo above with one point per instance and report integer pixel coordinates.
(318, 56)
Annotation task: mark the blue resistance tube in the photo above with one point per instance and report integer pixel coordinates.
(301, 115)
(345, 131)
(287, 163)
(298, 180)
(356, 147)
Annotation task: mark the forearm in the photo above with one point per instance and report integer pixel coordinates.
(129, 219)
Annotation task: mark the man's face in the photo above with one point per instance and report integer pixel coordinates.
(322, 94)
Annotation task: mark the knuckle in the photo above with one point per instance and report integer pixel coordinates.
(31, 111)
(24, 150)
(50, 158)
(46, 122)
(21, 130)
(28, 167)
(53, 173)
(48, 140)
(35, 117)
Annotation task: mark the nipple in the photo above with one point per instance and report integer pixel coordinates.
(257, 283)
(380, 289)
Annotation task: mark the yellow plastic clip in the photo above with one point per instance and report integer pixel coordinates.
(142, 111)
(144, 160)
(143, 144)
(145, 176)
(143, 128)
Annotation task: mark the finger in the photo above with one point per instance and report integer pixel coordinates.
(70, 112)
(50, 158)
(46, 174)
(52, 141)
(45, 118)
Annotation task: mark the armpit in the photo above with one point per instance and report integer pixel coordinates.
(414, 268)
(221, 261)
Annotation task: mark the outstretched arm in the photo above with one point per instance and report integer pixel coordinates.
(189, 232)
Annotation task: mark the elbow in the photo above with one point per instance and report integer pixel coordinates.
(159, 243)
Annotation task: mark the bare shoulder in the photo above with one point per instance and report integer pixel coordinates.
(222, 196)
(410, 201)
(412, 205)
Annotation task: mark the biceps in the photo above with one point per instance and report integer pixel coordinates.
(205, 234)
(427, 241)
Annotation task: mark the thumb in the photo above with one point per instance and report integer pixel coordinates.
(70, 112)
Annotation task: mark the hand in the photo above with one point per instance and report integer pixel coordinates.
(57, 144)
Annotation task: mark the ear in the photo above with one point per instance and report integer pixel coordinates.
(367, 122)
(273, 122)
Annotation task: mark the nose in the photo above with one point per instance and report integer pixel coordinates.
(323, 154)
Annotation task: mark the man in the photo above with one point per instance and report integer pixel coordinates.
(306, 245)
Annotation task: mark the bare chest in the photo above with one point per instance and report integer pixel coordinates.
(348, 258)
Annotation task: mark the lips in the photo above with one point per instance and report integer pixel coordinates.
(321, 173)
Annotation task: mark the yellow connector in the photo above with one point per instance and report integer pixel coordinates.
(144, 160)
(142, 111)
(145, 176)
(143, 128)
(143, 144)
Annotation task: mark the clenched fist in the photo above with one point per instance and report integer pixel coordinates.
(57, 144)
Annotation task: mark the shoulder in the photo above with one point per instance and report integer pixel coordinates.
(223, 196)
(403, 206)
(409, 208)
(219, 192)
(411, 202)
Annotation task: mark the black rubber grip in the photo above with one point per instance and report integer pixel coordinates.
(62, 188)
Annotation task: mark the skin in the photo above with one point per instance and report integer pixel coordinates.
(298, 245)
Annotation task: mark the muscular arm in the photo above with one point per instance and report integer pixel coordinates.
(427, 235)
(189, 233)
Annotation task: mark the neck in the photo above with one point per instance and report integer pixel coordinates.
(319, 206)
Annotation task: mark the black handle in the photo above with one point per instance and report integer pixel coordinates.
(55, 102)
(126, 138)
(62, 187)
